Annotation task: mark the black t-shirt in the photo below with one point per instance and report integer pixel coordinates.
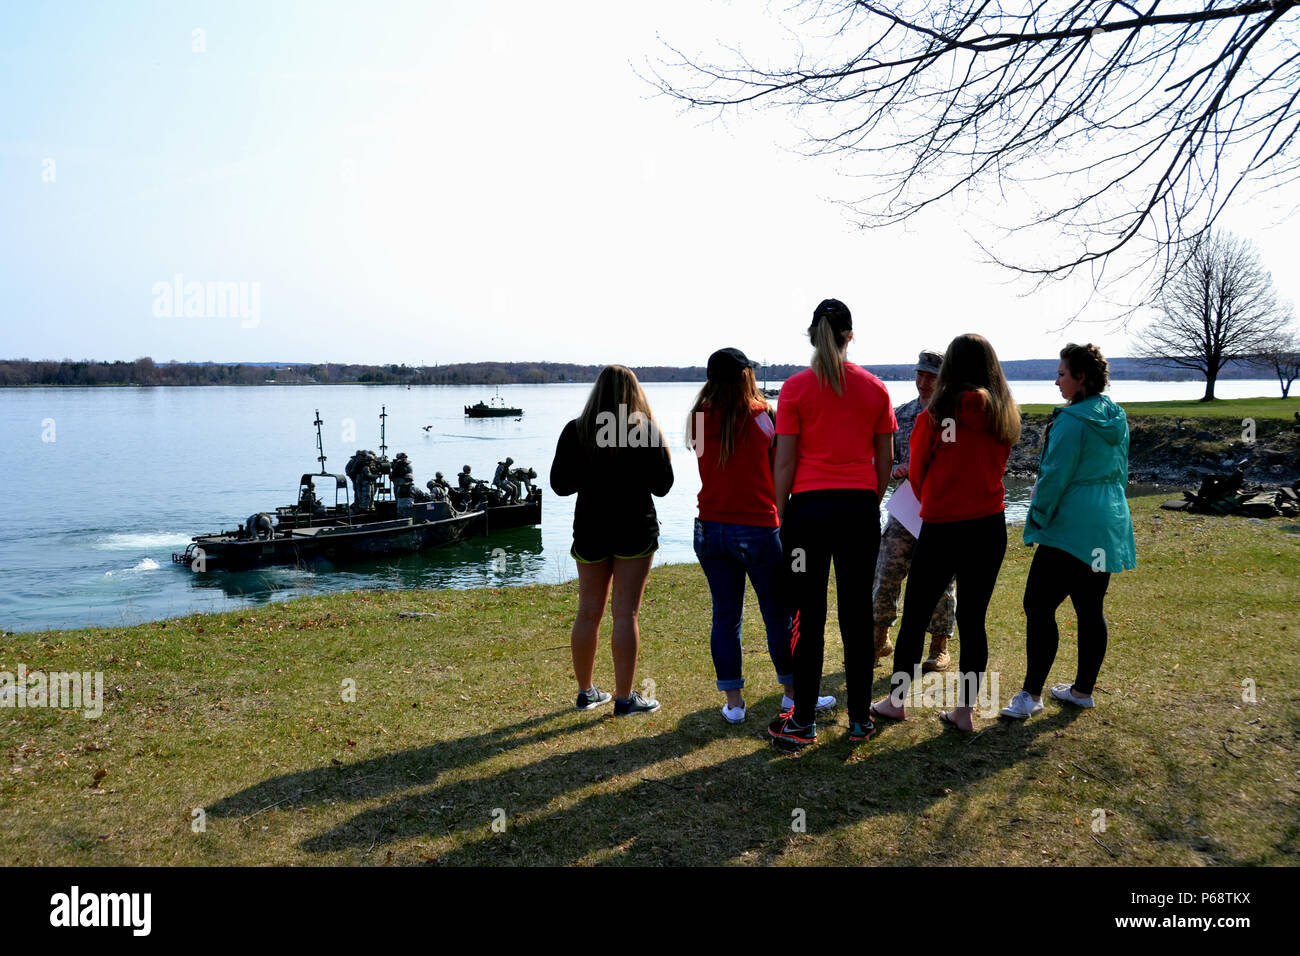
(614, 513)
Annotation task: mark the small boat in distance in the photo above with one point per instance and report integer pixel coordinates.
(496, 408)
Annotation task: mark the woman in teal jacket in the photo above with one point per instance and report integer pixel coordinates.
(1079, 519)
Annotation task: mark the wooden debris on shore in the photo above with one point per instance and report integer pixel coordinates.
(1224, 495)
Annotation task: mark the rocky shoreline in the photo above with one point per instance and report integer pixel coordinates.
(1181, 451)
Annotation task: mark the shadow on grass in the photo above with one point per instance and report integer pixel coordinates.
(366, 779)
(649, 800)
(741, 808)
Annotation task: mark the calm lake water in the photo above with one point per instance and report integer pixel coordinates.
(122, 477)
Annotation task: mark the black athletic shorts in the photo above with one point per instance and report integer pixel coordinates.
(595, 550)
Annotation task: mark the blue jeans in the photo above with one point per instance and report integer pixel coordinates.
(727, 553)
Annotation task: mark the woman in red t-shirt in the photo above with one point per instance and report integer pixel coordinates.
(731, 430)
(959, 451)
(835, 430)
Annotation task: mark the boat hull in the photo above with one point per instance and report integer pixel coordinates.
(502, 517)
(335, 543)
(498, 516)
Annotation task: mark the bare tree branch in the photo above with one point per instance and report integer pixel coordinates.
(1282, 358)
(1125, 128)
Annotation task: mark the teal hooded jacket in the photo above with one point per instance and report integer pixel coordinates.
(1079, 504)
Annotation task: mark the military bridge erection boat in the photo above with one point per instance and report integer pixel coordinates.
(387, 514)
(495, 408)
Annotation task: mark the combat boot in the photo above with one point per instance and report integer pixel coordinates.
(883, 645)
(938, 659)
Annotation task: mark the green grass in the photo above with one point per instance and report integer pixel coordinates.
(469, 710)
(1237, 408)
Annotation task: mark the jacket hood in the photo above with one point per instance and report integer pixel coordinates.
(1102, 415)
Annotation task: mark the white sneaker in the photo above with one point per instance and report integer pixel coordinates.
(1022, 706)
(733, 715)
(823, 703)
(1062, 692)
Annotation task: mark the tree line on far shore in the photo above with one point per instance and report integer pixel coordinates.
(145, 371)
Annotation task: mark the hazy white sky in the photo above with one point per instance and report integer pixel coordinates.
(446, 182)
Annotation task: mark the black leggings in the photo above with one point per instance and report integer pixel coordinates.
(1054, 576)
(843, 525)
(972, 551)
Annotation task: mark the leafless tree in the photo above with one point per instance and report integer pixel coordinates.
(1218, 307)
(1123, 125)
(1282, 359)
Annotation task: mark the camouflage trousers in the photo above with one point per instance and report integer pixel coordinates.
(896, 546)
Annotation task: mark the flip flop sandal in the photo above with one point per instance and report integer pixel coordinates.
(879, 715)
(945, 719)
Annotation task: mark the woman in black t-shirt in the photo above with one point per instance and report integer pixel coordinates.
(615, 457)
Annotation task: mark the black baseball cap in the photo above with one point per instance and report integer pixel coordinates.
(726, 364)
(835, 312)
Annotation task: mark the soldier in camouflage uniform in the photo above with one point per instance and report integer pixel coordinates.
(524, 479)
(363, 471)
(439, 488)
(897, 543)
(501, 480)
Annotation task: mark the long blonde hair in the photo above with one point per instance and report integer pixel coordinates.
(829, 344)
(616, 392)
(735, 400)
(971, 365)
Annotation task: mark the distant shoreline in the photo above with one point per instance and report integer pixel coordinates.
(700, 381)
(773, 382)
(144, 372)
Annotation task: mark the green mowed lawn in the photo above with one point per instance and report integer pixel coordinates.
(1237, 408)
(227, 739)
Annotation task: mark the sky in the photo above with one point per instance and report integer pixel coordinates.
(437, 182)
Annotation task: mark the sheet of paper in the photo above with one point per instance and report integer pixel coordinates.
(902, 504)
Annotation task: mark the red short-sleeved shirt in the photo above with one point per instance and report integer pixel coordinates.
(837, 433)
(739, 492)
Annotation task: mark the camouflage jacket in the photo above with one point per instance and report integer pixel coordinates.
(906, 415)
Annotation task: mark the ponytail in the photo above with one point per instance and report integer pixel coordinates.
(828, 355)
